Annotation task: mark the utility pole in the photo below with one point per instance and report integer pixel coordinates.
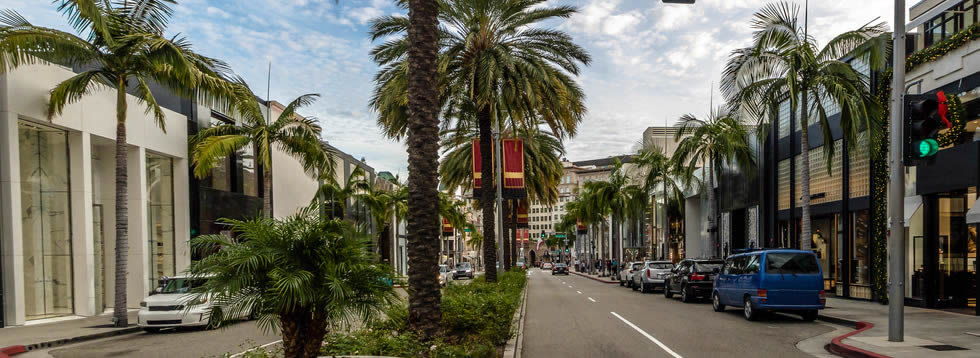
(896, 186)
(498, 179)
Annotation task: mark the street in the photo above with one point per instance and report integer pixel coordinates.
(575, 316)
(231, 339)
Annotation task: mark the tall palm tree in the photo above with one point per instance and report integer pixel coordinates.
(297, 136)
(341, 195)
(610, 197)
(718, 139)
(493, 60)
(123, 43)
(300, 275)
(784, 60)
(657, 170)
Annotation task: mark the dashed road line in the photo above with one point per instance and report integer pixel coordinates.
(590, 299)
(579, 292)
(645, 334)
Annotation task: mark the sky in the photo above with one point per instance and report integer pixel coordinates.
(651, 64)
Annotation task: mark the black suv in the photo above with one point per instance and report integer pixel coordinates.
(559, 269)
(692, 278)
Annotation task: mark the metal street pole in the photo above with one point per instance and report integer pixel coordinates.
(896, 187)
(498, 179)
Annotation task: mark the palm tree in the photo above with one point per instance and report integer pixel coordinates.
(341, 195)
(659, 170)
(611, 197)
(297, 136)
(382, 206)
(493, 61)
(299, 275)
(123, 44)
(784, 60)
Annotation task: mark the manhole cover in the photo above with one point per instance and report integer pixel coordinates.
(944, 347)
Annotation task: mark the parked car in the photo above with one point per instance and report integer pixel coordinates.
(651, 275)
(626, 274)
(692, 278)
(463, 269)
(771, 280)
(443, 274)
(174, 305)
(521, 265)
(547, 265)
(559, 269)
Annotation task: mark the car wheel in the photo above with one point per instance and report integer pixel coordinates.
(685, 297)
(667, 292)
(716, 303)
(621, 284)
(643, 287)
(809, 315)
(151, 329)
(750, 313)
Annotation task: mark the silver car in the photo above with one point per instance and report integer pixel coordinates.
(651, 275)
(625, 276)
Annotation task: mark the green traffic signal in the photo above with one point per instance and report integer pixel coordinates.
(928, 148)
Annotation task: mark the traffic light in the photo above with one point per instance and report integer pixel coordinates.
(924, 118)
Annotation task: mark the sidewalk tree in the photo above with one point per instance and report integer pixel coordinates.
(299, 275)
(784, 60)
(341, 196)
(290, 133)
(120, 46)
(610, 198)
(718, 139)
(494, 58)
(384, 207)
(660, 173)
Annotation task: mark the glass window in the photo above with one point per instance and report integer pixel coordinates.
(859, 178)
(160, 217)
(791, 263)
(784, 196)
(221, 173)
(823, 182)
(46, 221)
(250, 179)
(861, 243)
(752, 266)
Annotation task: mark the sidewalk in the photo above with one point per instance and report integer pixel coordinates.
(65, 331)
(948, 334)
(604, 279)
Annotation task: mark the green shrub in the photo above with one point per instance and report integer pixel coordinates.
(476, 320)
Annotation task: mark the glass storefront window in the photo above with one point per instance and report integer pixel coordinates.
(822, 243)
(160, 217)
(46, 218)
(250, 179)
(784, 195)
(784, 119)
(860, 244)
(859, 179)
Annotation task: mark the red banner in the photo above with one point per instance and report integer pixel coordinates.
(521, 213)
(580, 226)
(477, 164)
(513, 149)
(447, 228)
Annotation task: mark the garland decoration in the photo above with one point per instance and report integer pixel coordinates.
(879, 196)
(957, 116)
(938, 50)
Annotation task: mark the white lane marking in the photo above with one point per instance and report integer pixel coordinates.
(262, 346)
(654, 340)
(590, 299)
(569, 286)
(579, 292)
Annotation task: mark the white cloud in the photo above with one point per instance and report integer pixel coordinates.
(213, 11)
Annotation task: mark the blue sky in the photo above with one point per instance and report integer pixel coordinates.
(652, 62)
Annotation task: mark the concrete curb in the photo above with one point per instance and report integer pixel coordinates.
(6, 352)
(70, 340)
(515, 346)
(593, 278)
(837, 345)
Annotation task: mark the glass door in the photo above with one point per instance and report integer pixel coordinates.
(954, 279)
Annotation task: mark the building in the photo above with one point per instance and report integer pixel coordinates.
(57, 195)
(941, 214)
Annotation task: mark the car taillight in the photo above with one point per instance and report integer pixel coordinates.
(761, 293)
(697, 277)
(648, 273)
(823, 294)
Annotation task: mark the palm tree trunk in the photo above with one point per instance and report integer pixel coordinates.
(119, 314)
(513, 237)
(487, 197)
(424, 311)
(267, 190)
(712, 225)
(804, 175)
(508, 228)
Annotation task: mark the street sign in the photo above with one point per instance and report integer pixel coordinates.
(467, 230)
(560, 235)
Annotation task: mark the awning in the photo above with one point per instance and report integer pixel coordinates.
(912, 204)
(973, 215)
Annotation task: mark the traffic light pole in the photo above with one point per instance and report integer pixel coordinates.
(896, 185)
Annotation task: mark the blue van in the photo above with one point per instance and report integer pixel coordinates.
(771, 280)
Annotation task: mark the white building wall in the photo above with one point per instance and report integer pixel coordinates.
(91, 127)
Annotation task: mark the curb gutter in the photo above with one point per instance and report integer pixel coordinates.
(515, 346)
(837, 345)
(593, 278)
(14, 350)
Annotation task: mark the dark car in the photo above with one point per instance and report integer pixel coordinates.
(559, 269)
(692, 278)
(771, 280)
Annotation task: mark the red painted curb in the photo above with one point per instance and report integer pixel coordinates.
(593, 278)
(838, 347)
(6, 352)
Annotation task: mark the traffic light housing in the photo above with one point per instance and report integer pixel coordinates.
(921, 127)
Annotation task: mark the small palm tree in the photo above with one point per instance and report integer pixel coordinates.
(719, 139)
(297, 136)
(124, 45)
(610, 197)
(299, 275)
(385, 207)
(657, 170)
(342, 195)
(784, 60)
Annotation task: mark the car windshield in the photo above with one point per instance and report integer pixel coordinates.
(660, 266)
(637, 266)
(463, 266)
(180, 285)
(794, 263)
(707, 266)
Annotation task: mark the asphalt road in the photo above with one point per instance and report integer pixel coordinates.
(573, 316)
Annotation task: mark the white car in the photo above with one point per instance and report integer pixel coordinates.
(173, 305)
(443, 275)
(626, 275)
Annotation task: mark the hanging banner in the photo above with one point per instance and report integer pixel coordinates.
(447, 228)
(513, 155)
(522, 214)
(476, 160)
(580, 226)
